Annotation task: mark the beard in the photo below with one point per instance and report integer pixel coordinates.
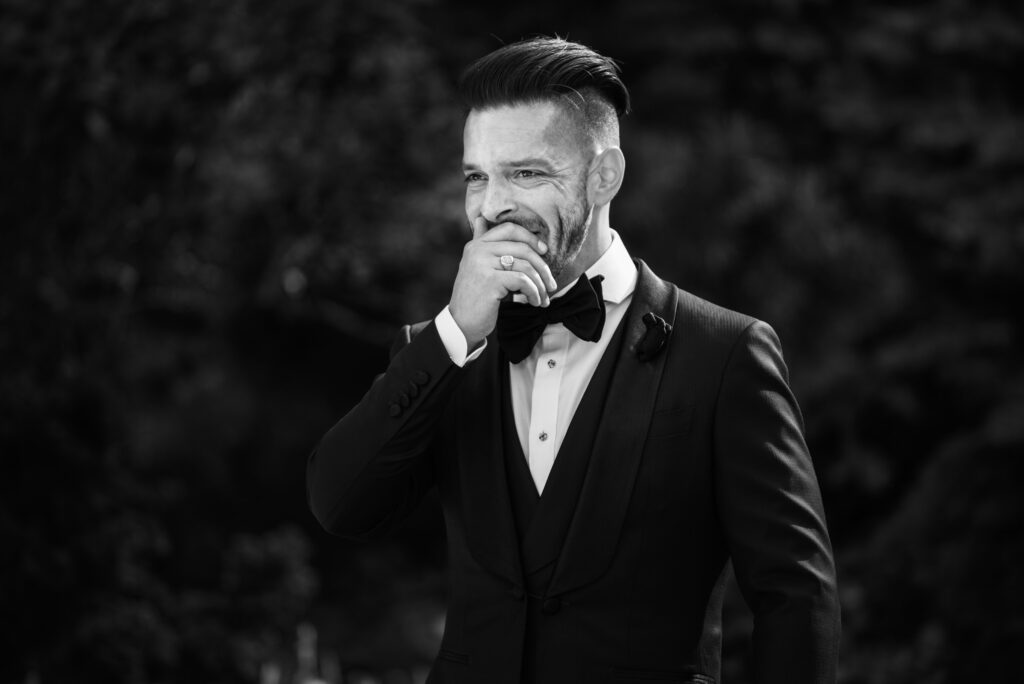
(564, 244)
(565, 239)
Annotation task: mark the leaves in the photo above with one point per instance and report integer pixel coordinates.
(217, 213)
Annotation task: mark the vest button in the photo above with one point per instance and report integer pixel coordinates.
(551, 606)
(517, 593)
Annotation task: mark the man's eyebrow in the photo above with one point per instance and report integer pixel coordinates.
(531, 161)
(516, 163)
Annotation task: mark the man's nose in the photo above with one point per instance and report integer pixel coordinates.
(498, 201)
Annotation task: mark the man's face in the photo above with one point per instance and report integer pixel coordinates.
(528, 165)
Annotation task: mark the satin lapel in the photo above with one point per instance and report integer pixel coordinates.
(618, 445)
(490, 527)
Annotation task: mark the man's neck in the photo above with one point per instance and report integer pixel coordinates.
(599, 239)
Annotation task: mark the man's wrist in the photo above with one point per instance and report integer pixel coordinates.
(454, 340)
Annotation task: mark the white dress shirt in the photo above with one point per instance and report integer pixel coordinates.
(547, 385)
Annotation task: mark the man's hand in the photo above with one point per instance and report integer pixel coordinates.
(482, 282)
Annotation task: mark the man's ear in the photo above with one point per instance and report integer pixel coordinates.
(607, 171)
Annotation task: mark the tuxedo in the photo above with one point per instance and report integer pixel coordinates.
(674, 463)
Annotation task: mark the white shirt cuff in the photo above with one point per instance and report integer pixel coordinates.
(454, 340)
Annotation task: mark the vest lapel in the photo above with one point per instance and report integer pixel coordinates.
(618, 443)
(490, 529)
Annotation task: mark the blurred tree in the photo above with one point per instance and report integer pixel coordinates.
(218, 211)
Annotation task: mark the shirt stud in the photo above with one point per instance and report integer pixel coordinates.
(543, 436)
(552, 363)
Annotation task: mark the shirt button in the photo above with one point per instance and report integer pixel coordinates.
(543, 437)
(552, 363)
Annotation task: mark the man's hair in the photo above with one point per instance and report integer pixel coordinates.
(583, 82)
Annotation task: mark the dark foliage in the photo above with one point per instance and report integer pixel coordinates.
(215, 213)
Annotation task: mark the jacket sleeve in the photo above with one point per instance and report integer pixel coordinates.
(770, 507)
(372, 468)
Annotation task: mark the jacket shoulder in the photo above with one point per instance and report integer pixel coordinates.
(717, 321)
(691, 311)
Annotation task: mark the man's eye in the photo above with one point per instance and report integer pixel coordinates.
(527, 173)
(473, 178)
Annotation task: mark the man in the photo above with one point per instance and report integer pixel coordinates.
(604, 443)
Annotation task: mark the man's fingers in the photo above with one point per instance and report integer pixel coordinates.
(479, 227)
(511, 232)
(516, 281)
(526, 268)
(522, 253)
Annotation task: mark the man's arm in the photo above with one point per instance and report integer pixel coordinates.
(770, 506)
(372, 468)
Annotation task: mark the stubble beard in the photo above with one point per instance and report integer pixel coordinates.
(566, 239)
(574, 225)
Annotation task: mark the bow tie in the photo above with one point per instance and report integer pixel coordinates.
(581, 310)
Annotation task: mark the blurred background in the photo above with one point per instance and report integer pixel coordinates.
(215, 213)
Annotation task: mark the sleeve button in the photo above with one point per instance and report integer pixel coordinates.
(421, 378)
(551, 606)
(394, 410)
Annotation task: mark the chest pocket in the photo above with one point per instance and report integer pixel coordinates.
(671, 423)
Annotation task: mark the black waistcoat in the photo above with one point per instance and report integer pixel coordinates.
(543, 521)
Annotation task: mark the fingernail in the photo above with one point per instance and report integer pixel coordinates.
(541, 247)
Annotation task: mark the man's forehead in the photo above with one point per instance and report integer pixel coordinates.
(543, 127)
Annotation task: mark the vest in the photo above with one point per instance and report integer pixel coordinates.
(542, 522)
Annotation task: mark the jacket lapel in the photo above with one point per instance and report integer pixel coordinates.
(618, 445)
(490, 528)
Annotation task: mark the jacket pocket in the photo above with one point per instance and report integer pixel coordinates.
(631, 675)
(453, 656)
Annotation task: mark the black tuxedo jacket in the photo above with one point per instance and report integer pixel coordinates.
(698, 456)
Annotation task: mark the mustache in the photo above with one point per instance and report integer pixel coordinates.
(531, 223)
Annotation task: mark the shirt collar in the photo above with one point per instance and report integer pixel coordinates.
(618, 270)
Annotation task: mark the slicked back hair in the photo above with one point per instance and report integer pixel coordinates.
(585, 83)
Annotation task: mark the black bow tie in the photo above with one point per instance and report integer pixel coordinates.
(581, 310)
